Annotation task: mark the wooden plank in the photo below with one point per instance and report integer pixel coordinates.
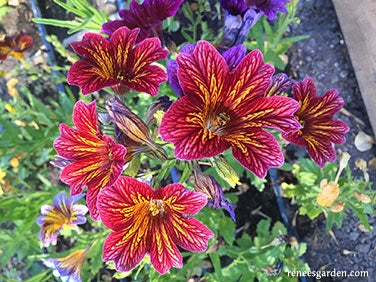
(358, 23)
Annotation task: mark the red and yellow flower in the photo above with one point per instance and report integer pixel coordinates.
(93, 159)
(118, 63)
(147, 221)
(223, 107)
(319, 130)
(63, 214)
(15, 46)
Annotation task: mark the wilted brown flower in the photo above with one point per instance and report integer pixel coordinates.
(338, 207)
(328, 194)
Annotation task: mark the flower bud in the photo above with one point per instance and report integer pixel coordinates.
(280, 83)
(161, 104)
(210, 187)
(225, 171)
(128, 122)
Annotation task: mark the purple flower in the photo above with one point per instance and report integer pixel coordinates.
(63, 214)
(147, 16)
(269, 7)
(67, 268)
(241, 15)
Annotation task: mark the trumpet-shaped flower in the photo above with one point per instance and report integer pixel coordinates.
(224, 107)
(67, 268)
(147, 16)
(118, 63)
(63, 214)
(15, 46)
(147, 221)
(93, 159)
(319, 130)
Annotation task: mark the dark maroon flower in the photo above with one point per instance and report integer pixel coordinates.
(118, 63)
(319, 130)
(147, 16)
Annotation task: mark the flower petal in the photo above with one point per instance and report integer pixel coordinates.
(183, 125)
(118, 204)
(190, 234)
(181, 200)
(256, 150)
(250, 80)
(85, 118)
(203, 74)
(125, 249)
(234, 55)
(172, 71)
(163, 252)
(273, 112)
(91, 201)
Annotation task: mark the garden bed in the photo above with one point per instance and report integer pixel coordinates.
(324, 57)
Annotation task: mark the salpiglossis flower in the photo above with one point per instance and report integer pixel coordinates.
(15, 46)
(63, 214)
(67, 268)
(223, 106)
(147, 221)
(147, 16)
(118, 63)
(319, 130)
(93, 159)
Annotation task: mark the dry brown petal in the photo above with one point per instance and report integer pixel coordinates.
(328, 194)
(338, 207)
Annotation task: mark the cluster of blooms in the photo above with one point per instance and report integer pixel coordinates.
(226, 100)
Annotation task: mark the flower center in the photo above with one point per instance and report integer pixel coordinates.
(156, 207)
(217, 123)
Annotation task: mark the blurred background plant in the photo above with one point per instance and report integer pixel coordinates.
(30, 120)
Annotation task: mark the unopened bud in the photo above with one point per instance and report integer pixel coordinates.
(161, 105)
(128, 122)
(210, 187)
(225, 171)
(280, 83)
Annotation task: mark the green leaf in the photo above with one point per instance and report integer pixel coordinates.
(44, 276)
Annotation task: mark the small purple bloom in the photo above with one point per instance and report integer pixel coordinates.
(242, 15)
(210, 187)
(147, 16)
(67, 268)
(63, 214)
(269, 7)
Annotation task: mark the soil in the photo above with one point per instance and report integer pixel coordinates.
(324, 58)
